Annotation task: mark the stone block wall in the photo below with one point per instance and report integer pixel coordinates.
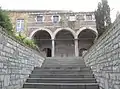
(30, 23)
(16, 62)
(104, 58)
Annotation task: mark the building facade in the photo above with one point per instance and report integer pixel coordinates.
(57, 33)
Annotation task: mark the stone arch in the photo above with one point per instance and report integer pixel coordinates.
(43, 40)
(60, 29)
(84, 28)
(64, 42)
(86, 37)
(41, 29)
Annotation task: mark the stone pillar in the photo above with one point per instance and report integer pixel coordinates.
(76, 48)
(53, 48)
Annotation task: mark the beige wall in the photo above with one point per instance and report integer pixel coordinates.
(31, 24)
(31, 27)
(15, 15)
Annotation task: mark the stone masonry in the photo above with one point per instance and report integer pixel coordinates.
(104, 58)
(16, 62)
(56, 32)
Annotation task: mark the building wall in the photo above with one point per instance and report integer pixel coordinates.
(14, 16)
(64, 20)
(104, 57)
(70, 21)
(63, 23)
(16, 62)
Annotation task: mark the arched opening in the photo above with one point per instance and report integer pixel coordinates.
(64, 43)
(85, 39)
(44, 42)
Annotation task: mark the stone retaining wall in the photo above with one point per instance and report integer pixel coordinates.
(104, 58)
(16, 62)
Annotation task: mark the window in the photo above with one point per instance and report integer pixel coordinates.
(39, 18)
(72, 18)
(88, 17)
(56, 19)
(80, 17)
(20, 25)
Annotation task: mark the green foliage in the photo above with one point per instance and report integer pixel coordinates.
(20, 37)
(5, 21)
(99, 16)
(106, 11)
(29, 42)
(102, 16)
(7, 25)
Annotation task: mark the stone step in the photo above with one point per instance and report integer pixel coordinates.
(66, 61)
(61, 68)
(63, 62)
(61, 72)
(61, 80)
(66, 64)
(62, 85)
(62, 58)
(61, 76)
(46, 62)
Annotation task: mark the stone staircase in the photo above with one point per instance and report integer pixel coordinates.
(61, 73)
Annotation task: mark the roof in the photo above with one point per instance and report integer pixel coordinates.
(47, 11)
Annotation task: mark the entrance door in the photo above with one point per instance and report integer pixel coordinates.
(48, 52)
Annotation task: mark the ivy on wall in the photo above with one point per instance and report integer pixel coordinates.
(7, 27)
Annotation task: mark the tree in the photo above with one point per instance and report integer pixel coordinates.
(102, 16)
(106, 12)
(99, 19)
(5, 21)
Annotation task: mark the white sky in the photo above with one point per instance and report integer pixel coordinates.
(74, 5)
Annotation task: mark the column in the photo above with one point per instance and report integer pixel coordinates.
(53, 48)
(76, 48)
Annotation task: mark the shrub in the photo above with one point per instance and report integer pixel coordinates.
(5, 21)
(30, 43)
(8, 28)
(20, 37)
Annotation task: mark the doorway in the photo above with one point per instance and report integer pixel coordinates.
(48, 53)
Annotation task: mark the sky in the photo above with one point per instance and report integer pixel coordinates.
(74, 5)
